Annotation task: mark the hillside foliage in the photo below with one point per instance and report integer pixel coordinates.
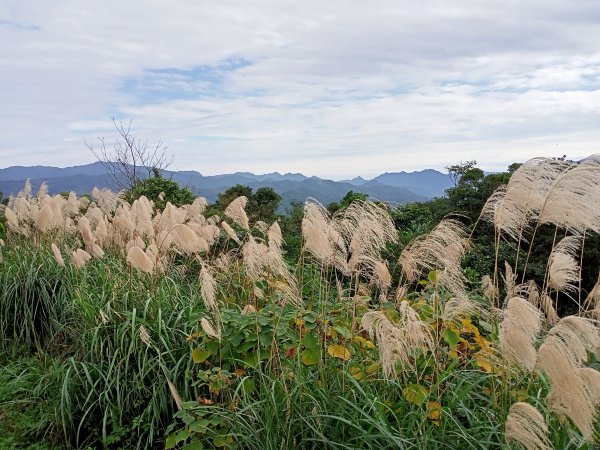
(464, 322)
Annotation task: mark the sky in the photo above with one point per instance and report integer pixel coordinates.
(335, 89)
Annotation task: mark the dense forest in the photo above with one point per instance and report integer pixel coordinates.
(155, 319)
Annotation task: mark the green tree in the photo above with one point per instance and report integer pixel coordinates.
(457, 171)
(291, 229)
(230, 194)
(262, 204)
(346, 201)
(161, 190)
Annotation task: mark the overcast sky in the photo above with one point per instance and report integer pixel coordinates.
(327, 88)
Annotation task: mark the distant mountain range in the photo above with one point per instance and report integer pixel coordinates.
(395, 187)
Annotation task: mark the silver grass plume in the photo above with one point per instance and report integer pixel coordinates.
(572, 201)
(525, 425)
(105, 199)
(230, 232)
(44, 219)
(441, 250)
(322, 239)
(525, 195)
(72, 206)
(145, 336)
(210, 331)
(42, 191)
(80, 258)
(196, 210)
(592, 300)
(563, 273)
(519, 329)
(236, 212)
(141, 216)
(530, 291)
(186, 240)
(274, 235)
(489, 290)
(366, 227)
(175, 395)
(208, 289)
(561, 356)
(209, 234)
(397, 342)
(510, 280)
(139, 260)
(57, 255)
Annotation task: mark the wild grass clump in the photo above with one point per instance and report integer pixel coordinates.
(166, 328)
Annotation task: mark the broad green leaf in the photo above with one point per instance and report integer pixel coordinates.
(248, 385)
(451, 337)
(193, 446)
(311, 340)
(311, 356)
(266, 339)
(345, 332)
(200, 426)
(236, 339)
(176, 438)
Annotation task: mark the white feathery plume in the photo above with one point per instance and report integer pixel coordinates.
(236, 212)
(525, 425)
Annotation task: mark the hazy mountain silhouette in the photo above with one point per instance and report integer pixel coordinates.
(400, 187)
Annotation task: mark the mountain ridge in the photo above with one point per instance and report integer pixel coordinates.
(393, 187)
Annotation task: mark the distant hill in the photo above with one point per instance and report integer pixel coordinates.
(428, 183)
(398, 188)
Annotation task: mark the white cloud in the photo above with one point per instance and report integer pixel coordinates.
(329, 88)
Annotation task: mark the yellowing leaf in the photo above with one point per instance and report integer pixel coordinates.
(365, 343)
(192, 336)
(372, 368)
(482, 362)
(356, 373)
(469, 328)
(434, 412)
(339, 352)
(199, 355)
(415, 393)
(520, 395)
